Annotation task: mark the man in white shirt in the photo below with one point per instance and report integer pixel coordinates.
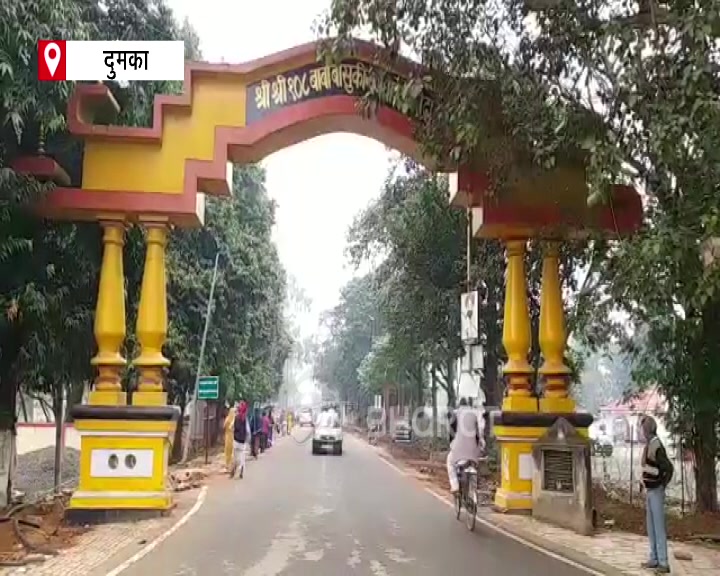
(468, 441)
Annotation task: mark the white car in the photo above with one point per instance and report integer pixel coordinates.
(328, 434)
(305, 419)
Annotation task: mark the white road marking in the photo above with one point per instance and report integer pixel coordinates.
(397, 555)
(378, 569)
(314, 555)
(355, 556)
(499, 530)
(164, 536)
(284, 547)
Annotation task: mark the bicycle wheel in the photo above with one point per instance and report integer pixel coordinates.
(471, 500)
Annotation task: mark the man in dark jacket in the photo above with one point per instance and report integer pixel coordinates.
(255, 431)
(657, 471)
(241, 437)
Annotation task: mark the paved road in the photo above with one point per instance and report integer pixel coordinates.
(305, 515)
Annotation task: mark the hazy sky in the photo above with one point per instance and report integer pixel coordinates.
(320, 184)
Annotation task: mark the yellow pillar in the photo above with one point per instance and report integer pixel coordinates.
(109, 326)
(553, 337)
(152, 320)
(515, 491)
(516, 333)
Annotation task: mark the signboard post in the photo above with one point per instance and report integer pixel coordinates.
(209, 388)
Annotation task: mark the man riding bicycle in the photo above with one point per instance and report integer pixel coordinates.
(467, 441)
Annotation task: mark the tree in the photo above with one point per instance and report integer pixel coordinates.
(420, 279)
(352, 327)
(30, 112)
(247, 342)
(606, 376)
(48, 296)
(634, 91)
(423, 240)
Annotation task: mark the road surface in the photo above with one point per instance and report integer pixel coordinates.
(299, 514)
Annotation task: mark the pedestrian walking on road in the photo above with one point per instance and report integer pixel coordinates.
(255, 431)
(228, 429)
(265, 434)
(241, 435)
(657, 471)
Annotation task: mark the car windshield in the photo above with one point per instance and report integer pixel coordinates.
(329, 420)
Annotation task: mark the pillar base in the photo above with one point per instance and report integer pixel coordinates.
(107, 398)
(143, 398)
(100, 510)
(124, 454)
(512, 502)
(516, 432)
(557, 405)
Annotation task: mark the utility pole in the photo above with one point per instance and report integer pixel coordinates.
(193, 414)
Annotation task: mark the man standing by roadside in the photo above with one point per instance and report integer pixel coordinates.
(657, 471)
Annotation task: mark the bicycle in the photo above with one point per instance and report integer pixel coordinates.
(467, 495)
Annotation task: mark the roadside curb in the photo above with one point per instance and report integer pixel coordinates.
(158, 540)
(571, 554)
(526, 537)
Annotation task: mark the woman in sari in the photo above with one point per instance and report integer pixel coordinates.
(228, 428)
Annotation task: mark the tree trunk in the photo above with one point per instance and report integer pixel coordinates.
(23, 407)
(8, 432)
(177, 449)
(492, 383)
(451, 393)
(10, 345)
(420, 392)
(433, 392)
(705, 450)
(58, 413)
(75, 396)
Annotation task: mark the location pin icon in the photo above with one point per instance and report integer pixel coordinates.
(52, 57)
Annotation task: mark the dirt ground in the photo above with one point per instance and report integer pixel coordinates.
(614, 511)
(619, 514)
(38, 529)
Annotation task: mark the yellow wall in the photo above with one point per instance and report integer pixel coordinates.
(187, 133)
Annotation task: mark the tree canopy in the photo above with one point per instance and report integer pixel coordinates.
(630, 89)
(49, 271)
(401, 322)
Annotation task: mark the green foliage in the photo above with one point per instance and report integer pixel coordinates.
(636, 92)
(247, 341)
(49, 271)
(420, 278)
(422, 242)
(352, 325)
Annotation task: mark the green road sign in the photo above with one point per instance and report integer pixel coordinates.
(209, 388)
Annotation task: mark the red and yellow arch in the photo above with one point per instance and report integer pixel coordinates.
(158, 177)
